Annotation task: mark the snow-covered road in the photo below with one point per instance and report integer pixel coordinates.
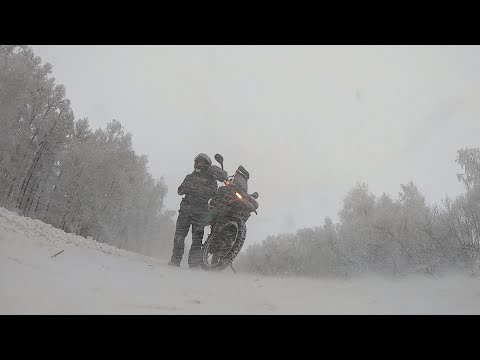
(93, 278)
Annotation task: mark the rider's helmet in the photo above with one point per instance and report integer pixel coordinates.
(202, 162)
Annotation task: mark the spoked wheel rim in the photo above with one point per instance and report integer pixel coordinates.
(212, 260)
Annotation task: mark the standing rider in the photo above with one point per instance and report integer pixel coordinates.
(198, 187)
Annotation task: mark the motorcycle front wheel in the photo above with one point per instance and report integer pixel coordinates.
(220, 250)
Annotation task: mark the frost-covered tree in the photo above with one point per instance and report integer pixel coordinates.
(55, 168)
(383, 234)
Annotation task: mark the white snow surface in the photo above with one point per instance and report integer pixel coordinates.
(93, 278)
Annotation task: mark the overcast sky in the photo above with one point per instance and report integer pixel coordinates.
(307, 122)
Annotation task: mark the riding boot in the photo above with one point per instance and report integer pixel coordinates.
(178, 249)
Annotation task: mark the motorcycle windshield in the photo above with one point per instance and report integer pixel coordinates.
(240, 181)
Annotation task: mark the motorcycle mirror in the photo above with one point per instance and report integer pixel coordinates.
(255, 195)
(219, 159)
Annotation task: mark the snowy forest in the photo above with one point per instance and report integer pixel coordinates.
(55, 168)
(383, 235)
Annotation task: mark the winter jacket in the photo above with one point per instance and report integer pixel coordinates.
(198, 188)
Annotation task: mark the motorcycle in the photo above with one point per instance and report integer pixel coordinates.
(229, 210)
